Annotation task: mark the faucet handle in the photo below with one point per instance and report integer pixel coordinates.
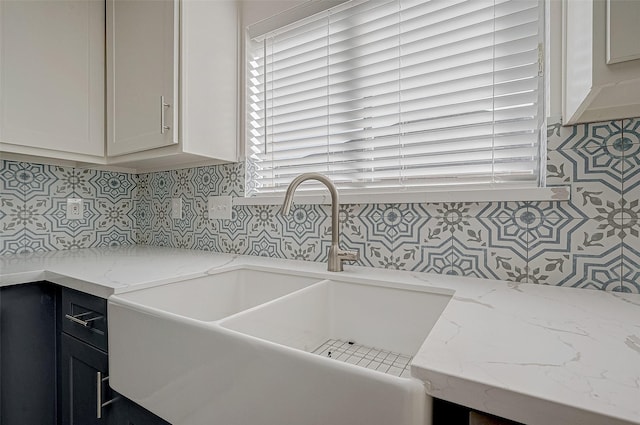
(344, 255)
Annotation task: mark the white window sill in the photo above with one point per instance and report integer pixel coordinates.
(559, 193)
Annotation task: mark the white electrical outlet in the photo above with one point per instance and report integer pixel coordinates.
(220, 207)
(74, 208)
(176, 208)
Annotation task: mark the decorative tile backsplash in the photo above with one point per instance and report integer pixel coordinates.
(593, 241)
(33, 207)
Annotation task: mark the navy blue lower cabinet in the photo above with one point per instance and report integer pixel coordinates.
(84, 389)
(28, 354)
(85, 396)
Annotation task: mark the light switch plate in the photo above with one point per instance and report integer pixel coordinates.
(176, 208)
(74, 208)
(220, 207)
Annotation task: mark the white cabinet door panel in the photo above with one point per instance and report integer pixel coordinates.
(52, 75)
(142, 67)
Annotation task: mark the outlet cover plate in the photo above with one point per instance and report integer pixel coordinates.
(176, 208)
(220, 207)
(74, 208)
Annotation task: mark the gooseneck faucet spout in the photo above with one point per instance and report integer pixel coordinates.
(336, 255)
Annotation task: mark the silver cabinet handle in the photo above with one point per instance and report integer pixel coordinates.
(76, 320)
(99, 404)
(163, 106)
(85, 323)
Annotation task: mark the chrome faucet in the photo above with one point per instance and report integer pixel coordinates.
(336, 255)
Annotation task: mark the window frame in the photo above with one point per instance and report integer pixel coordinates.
(412, 195)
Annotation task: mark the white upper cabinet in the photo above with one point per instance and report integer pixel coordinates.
(52, 79)
(142, 83)
(172, 82)
(601, 65)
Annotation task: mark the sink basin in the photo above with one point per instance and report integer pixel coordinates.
(219, 295)
(362, 324)
(270, 347)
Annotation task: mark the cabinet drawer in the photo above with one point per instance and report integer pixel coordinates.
(85, 317)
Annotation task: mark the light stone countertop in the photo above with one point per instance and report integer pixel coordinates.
(535, 354)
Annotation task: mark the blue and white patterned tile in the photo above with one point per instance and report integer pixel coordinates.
(182, 183)
(44, 180)
(579, 265)
(496, 246)
(310, 250)
(11, 214)
(600, 271)
(143, 186)
(352, 226)
(590, 137)
(202, 221)
(142, 237)
(183, 241)
(433, 235)
(454, 211)
(119, 214)
(379, 254)
(30, 242)
(471, 260)
(231, 179)
(437, 258)
(630, 268)
(550, 227)
(84, 239)
(114, 237)
(74, 180)
(503, 210)
(143, 214)
(161, 185)
(560, 170)
(594, 160)
(161, 215)
(161, 237)
(206, 240)
(57, 216)
(263, 220)
(304, 222)
(12, 178)
(12, 244)
(186, 224)
(112, 186)
(631, 142)
(352, 235)
(206, 181)
(394, 224)
(237, 244)
(238, 227)
(503, 233)
(265, 244)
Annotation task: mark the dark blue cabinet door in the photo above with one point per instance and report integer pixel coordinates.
(28, 354)
(81, 367)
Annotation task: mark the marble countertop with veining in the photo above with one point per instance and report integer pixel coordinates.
(535, 354)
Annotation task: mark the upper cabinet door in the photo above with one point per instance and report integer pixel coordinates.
(52, 76)
(142, 71)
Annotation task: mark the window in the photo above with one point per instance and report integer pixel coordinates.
(399, 95)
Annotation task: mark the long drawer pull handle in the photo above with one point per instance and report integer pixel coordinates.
(163, 106)
(99, 404)
(79, 321)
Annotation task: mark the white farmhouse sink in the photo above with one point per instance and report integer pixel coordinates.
(219, 295)
(300, 350)
(377, 319)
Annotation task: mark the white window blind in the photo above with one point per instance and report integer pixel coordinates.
(401, 94)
